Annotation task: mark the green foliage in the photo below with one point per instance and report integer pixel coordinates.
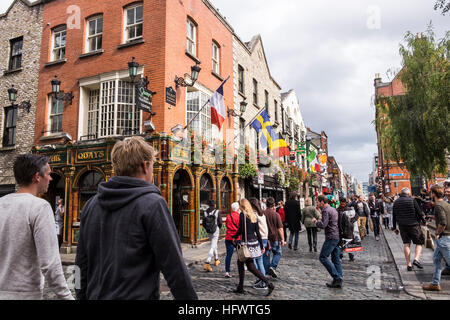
(414, 127)
(247, 171)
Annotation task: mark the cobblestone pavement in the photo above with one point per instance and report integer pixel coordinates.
(372, 276)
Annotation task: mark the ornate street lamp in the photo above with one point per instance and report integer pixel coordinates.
(12, 96)
(181, 82)
(242, 107)
(58, 94)
(132, 69)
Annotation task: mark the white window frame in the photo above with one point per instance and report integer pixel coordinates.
(215, 58)
(51, 115)
(135, 25)
(191, 42)
(56, 51)
(96, 35)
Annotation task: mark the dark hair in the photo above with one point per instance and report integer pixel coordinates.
(343, 200)
(211, 203)
(438, 191)
(322, 198)
(27, 165)
(270, 202)
(255, 205)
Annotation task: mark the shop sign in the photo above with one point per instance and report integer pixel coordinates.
(171, 96)
(58, 158)
(260, 177)
(293, 157)
(90, 155)
(143, 97)
(180, 153)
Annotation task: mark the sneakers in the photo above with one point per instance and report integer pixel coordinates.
(227, 275)
(431, 287)
(217, 262)
(272, 273)
(207, 267)
(260, 286)
(377, 238)
(417, 264)
(445, 272)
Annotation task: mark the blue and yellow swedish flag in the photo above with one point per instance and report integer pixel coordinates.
(269, 138)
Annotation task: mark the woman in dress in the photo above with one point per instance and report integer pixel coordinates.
(254, 243)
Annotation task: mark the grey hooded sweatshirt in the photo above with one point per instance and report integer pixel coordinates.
(127, 237)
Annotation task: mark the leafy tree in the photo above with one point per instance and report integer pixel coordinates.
(442, 5)
(414, 128)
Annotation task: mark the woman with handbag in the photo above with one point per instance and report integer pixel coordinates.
(251, 247)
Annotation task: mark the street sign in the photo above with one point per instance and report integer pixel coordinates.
(171, 96)
(260, 177)
(143, 97)
(396, 175)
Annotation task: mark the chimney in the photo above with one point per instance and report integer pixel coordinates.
(377, 80)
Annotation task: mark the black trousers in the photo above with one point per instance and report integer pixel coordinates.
(250, 267)
(312, 236)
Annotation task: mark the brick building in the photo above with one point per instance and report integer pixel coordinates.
(88, 46)
(20, 42)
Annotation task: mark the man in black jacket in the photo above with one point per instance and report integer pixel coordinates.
(127, 235)
(293, 216)
(408, 215)
(375, 212)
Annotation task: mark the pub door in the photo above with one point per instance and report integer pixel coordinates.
(181, 207)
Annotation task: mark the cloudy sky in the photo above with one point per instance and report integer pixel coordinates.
(329, 52)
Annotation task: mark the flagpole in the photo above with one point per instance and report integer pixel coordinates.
(250, 122)
(203, 106)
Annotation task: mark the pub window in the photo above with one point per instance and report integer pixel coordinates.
(59, 43)
(191, 37)
(15, 57)
(133, 22)
(240, 79)
(56, 114)
(215, 58)
(202, 123)
(94, 33)
(9, 133)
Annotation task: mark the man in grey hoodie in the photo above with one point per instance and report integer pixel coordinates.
(28, 243)
(127, 235)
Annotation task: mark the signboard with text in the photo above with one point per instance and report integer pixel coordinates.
(143, 97)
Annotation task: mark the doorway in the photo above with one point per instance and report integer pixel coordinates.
(181, 203)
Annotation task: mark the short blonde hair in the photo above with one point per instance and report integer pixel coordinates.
(127, 156)
(308, 201)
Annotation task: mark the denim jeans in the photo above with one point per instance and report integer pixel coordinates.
(230, 249)
(259, 262)
(376, 225)
(330, 247)
(276, 250)
(293, 235)
(442, 250)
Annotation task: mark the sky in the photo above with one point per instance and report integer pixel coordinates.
(329, 51)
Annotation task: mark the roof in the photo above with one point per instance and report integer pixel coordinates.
(25, 2)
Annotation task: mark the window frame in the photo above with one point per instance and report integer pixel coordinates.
(215, 59)
(266, 100)
(255, 92)
(202, 123)
(275, 103)
(7, 128)
(135, 24)
(193, 41)
(241, 71)
(12, 56)
(95, 35)
(52, 115)
(58, 31)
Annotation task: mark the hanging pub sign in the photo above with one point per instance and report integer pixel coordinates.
(171, 96)
(143, 97)
(293, 157)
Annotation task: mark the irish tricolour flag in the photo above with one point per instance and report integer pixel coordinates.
(218, 107)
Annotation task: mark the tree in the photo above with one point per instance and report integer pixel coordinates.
(442, 5)
(414, 127)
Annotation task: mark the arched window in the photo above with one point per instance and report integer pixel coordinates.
(225, 195)
(206, 191)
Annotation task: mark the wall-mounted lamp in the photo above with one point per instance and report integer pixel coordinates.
(12, 96)
(58, 94)
(242, 107)
(181, 82)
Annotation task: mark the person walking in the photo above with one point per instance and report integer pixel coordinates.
(329, 223)
(293, 218)
(309, 213)
(375, 216)
(408, 215)
(264, 232)
(28, 242)
(363, 212)
(349, 212)
(212, 221)
(442, 249)
(249, 232)
(385, 214)
(232, 223)
(127, 235)
(276, 238)
(59, 220)
(282, 212)
(389, 207)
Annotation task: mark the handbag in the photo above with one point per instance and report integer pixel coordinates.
(242, 249)
(428, 240)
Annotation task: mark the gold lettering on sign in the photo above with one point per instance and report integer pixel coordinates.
(55, 158)
(91, 155)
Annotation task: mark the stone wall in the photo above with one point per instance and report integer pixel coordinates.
(20, 21)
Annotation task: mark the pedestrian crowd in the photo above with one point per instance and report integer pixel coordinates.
(127, 236)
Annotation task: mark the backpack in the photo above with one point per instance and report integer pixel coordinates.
(345, 226)
(210, 222)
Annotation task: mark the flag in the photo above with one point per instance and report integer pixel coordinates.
(269, 138)
(218, 106)
(311, 156)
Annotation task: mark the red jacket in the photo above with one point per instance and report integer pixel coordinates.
(232, 225)
(281, 213)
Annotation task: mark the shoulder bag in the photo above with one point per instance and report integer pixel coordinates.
(242, 249)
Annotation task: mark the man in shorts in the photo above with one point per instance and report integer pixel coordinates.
(408, 215)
